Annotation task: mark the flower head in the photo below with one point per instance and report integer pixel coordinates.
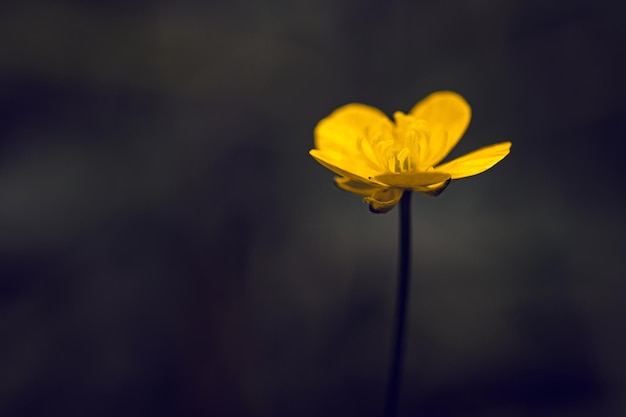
(379, 159)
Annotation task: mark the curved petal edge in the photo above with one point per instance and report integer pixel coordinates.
(475, 162)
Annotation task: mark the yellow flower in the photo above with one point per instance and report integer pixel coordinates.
(378, 158)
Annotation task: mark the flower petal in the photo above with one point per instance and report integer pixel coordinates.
(355, 187)
(346, 167)
(342, 130)
(384, 200)
(435, 189)
(448, 116)
(475, 162)
(413, 180)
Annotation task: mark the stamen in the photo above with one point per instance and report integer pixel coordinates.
(403, 159)
(400, 150)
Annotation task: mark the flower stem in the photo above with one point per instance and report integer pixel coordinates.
(404, 266)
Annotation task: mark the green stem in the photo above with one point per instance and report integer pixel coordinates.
(395, 373)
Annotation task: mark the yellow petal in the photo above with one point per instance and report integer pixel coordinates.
(413, 180)
(435, 189)
(346, 167)
(384, 200)
(343, 129)
(448, 116)
(355, 187)
(475, 162)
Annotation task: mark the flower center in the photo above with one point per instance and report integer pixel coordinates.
(401, 161)
(397, 148)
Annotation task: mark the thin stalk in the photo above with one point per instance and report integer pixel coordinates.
(404, 268)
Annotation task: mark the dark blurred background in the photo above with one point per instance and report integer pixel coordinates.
(168, 247)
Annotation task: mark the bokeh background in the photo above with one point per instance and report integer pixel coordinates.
(168, 247)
